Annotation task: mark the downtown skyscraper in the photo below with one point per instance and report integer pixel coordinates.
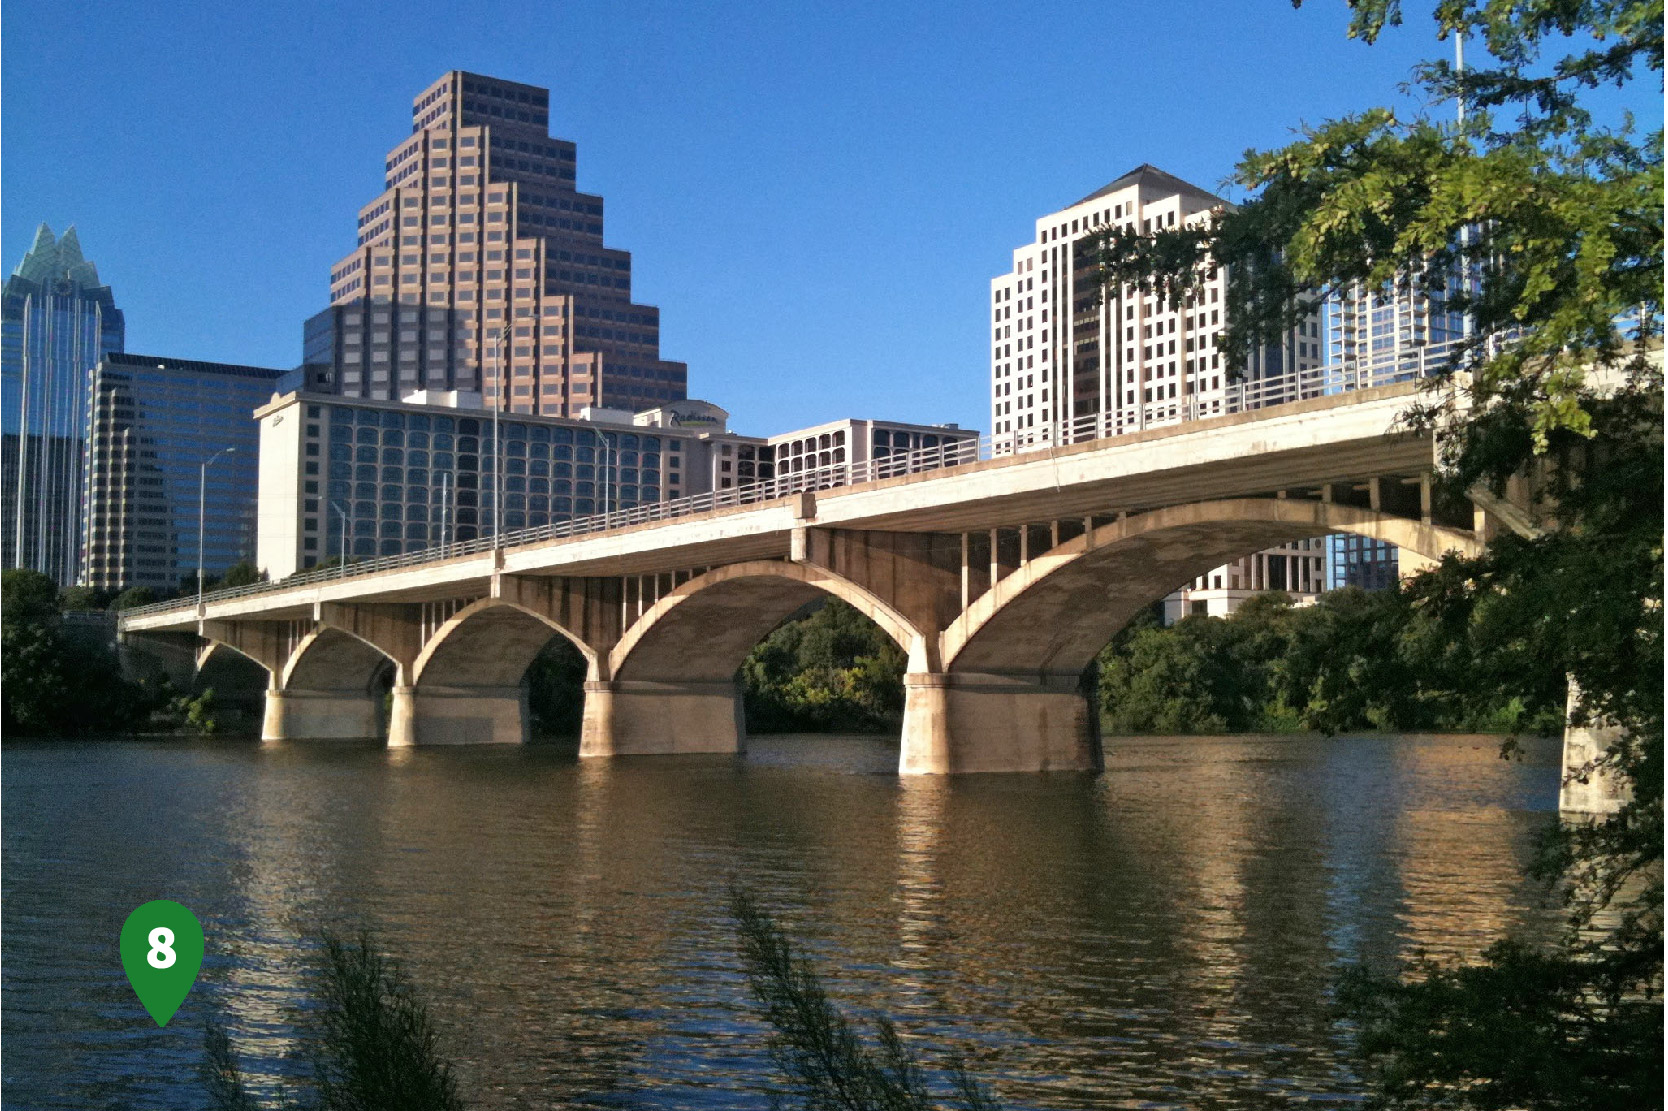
(481, 268)
(1067, 363)
(58, 322)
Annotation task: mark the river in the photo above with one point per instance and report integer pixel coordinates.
(1164, 934)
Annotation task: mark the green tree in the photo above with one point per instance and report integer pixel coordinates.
(73, 598)
(1561, 219)
(242, 573)
(134, 596)
(35, 680)
(27, 596)
(830, 670)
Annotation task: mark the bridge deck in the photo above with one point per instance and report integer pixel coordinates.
(1342, 438)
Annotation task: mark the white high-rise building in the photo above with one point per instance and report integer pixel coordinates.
(1067, 364)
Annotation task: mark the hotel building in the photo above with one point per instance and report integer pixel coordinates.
(1062, 353)
(481, 268)
(379, 478)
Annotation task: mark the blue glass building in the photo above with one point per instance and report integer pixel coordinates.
(58, 322)
(1353, 560)
(154, 421)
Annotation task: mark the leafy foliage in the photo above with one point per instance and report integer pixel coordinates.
(27, 596)
(54, 683)
(242, 573)
(1522, 1029)
(830, 671)
(1559, 219)
(1353, 661)
(134, 596)
(827, 1064)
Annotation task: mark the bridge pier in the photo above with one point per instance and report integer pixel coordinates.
(625, 718)
(304, 715)
(957, 723)
(442, 715)
(1599, 792)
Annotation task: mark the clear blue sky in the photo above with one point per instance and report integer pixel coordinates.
(816, 199)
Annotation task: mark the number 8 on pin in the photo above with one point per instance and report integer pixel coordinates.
(162, 949)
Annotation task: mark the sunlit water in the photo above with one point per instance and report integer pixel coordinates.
(1162, 935)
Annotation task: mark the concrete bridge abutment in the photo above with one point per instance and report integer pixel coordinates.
(1587, 787)
(957, 724)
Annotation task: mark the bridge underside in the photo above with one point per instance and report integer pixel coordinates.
(998, 628)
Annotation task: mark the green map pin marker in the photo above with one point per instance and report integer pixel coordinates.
(162, 949)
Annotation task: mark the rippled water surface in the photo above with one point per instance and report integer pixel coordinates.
(1162, 935)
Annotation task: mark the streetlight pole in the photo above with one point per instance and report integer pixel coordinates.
(202, 506)
(606, 455)
(347, 528)
(498, 338)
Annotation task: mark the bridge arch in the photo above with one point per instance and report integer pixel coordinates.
(703, 630)
(1052, 616)
(332, 659)
(216, 656)
(671, 678)
(491, 642)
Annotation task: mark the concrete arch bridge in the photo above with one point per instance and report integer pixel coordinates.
(1000, 580)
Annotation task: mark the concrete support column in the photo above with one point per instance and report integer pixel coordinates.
(624, 718)
(925, 747)
(1597, 792)
(442, 715)
(402, 717)
(996, 723)
(596, 727)
(303, 715)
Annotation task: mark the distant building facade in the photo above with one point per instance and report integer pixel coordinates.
(379, 478)
(154, 421)
(1391, 329)
(58, 322)
(385, 478)
(858, 442)
(1361, 561)
(481, 268)
(1297, 569)
(1062, 354)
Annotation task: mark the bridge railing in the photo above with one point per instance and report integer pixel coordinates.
(1239, 397)
(1408, 365)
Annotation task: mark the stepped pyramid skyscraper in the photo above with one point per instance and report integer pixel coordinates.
(59, 321)
(481, 267)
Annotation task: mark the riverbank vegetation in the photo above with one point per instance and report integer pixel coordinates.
(61, 677)
(57, 680)
(366, 1037)
(830, 671)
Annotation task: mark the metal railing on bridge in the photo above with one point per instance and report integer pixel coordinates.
(1239, 397)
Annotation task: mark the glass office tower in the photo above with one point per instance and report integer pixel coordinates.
(154, 421)
(58, 322)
